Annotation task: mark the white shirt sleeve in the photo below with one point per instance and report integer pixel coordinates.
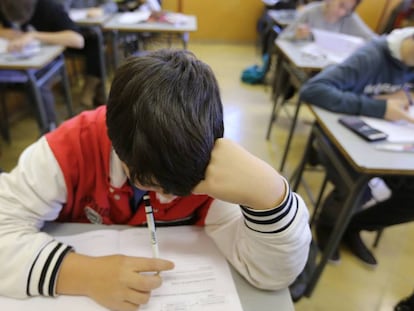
(30, 194)
(269, 248)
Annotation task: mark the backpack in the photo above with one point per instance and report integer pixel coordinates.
(255, 74)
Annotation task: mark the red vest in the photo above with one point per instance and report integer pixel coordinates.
(82, 149)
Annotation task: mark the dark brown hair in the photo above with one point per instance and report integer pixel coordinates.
(18, 11)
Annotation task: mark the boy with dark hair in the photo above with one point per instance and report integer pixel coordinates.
(375, 81)
(24, 21)
(165, 126)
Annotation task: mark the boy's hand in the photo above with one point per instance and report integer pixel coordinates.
(115, 282)
(234, 175)
(302, 32)
(17, 44)
(95, 12)
(397, 109)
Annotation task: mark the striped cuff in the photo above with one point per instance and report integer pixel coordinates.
(274, 220)
(43, 273)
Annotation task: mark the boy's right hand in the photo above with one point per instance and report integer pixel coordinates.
(302, 32)
(397, 109)
(115, 282)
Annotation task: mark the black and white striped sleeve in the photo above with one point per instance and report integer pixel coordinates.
(44, 270)
(275, 220)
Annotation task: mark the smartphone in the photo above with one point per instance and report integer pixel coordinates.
(361, 128)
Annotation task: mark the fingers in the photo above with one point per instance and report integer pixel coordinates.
(151, 264)
(144, 282)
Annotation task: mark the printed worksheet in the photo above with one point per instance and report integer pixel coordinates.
(201, 280)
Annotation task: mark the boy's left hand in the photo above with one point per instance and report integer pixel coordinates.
(235, 175)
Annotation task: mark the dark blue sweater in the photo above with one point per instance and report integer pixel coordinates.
(349, 87)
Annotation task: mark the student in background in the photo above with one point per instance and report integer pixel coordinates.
(372, 82)
(161, 132)
(331, 15)
(25, 21)
(91, 93)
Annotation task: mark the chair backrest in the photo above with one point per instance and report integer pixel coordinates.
(395, 15)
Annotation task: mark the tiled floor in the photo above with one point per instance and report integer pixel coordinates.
(349, 286)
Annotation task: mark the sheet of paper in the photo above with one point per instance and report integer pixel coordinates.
(78, 14)
(28, 51)
(201, 280)
(335, 47)
(398, 132)
(133, 17)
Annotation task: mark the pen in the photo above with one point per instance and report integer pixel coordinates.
(151, 226)
(409, 147)
(408, 94)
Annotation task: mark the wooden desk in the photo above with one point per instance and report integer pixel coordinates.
(356, 161)
(252, 299)
(182, 29)
(50, 57)
(294, 65)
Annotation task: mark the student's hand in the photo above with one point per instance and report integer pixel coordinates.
(116, 282)
(397, 109)
(94, 12)
(17, 44)
(234, 175)
(400, 94)
(302, 32)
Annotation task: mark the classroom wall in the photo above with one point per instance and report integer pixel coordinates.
(235, 20)
(221, 20)
(376, 12)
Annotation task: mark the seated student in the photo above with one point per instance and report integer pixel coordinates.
(370, 82)
(332, 15)
(162, 132)
(92, 88)
(24, 21)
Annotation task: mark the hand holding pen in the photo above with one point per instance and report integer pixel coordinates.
(408, 95)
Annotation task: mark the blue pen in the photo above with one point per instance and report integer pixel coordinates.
(408, 94)
(151, 226)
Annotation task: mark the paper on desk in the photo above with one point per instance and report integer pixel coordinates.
(134, 17)
(332, 46)
(201, 280)
(29, 50)
(175, 18)
(78, 14)
(398, 132)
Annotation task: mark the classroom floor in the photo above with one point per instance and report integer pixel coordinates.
(348, 286)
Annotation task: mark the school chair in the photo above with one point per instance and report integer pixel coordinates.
(31, 80)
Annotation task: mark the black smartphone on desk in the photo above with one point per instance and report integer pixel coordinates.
(361, 128)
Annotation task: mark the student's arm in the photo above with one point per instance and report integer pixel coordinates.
(356, 26)
(33, 193)
(8, 33)
(67, 38)
(266, 235)
(291, 31)
(339, 88)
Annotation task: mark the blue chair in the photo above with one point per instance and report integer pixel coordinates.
(32, 80)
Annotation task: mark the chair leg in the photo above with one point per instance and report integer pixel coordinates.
(318, 201)
(377, 238)
(4, 121)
